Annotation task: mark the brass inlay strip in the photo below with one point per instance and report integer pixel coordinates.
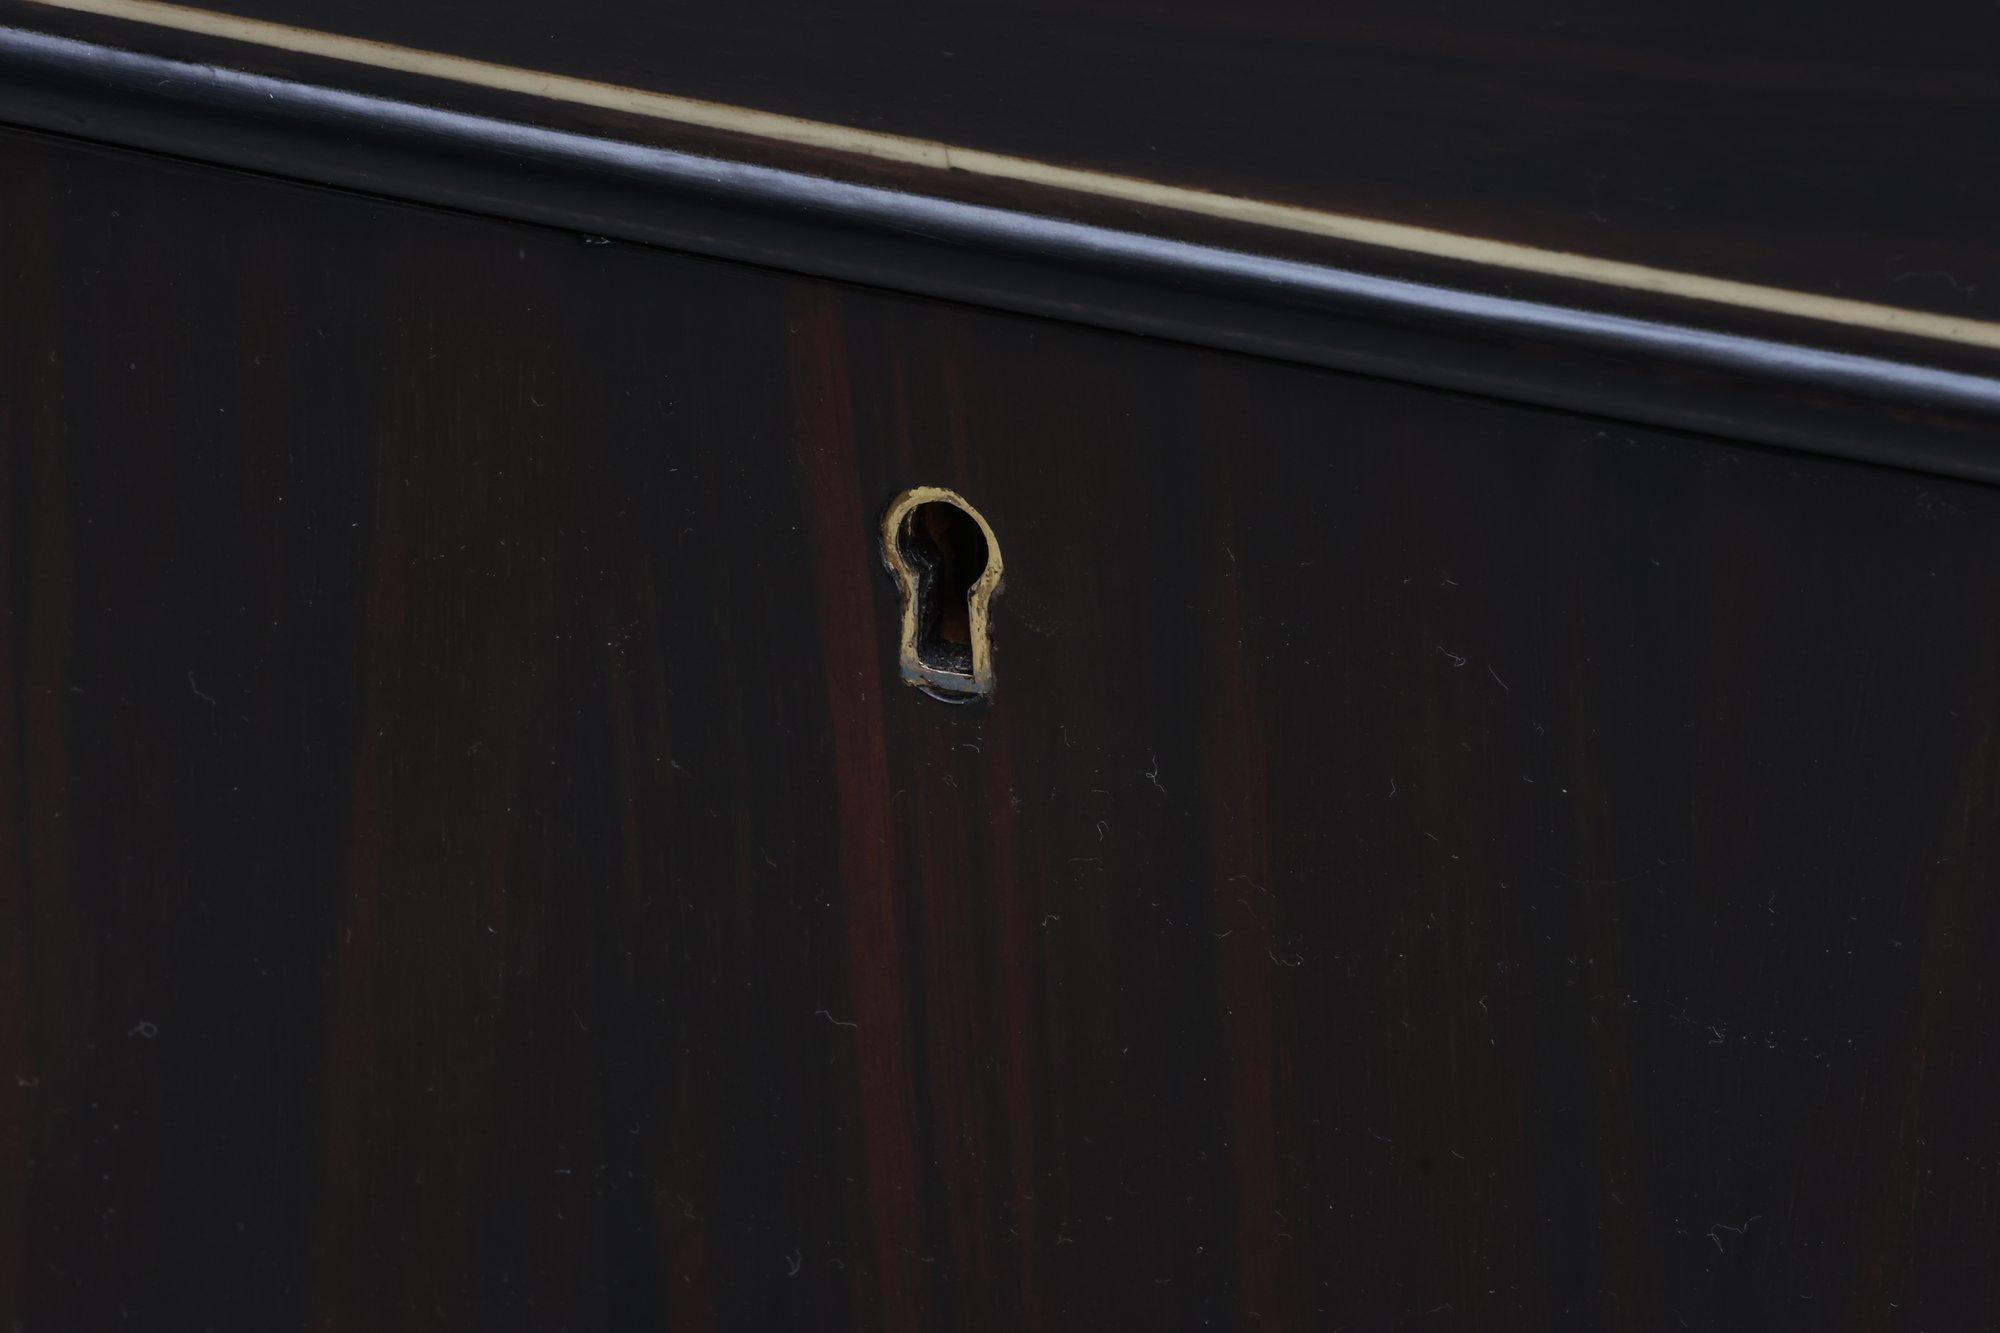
(999, 166)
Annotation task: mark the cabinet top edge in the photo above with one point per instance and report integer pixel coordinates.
(1798, 369)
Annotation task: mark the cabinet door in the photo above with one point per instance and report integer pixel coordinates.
(472, 859)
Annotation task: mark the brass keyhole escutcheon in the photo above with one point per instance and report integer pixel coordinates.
(946, 562)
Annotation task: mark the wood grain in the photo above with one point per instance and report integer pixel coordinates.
(470, 861)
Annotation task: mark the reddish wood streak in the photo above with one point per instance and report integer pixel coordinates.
(886, 1184)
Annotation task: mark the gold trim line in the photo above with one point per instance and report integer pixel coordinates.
(998, 166)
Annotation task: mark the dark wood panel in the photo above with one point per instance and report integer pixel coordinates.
(470, 862)
(1851, 150)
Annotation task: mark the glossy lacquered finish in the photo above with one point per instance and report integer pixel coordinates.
(471, 860)
(1846, 149)
(1813, 385)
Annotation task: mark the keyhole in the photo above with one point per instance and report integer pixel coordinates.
(944, 556)
(949, 554)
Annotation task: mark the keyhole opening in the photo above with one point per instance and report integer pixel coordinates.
(945, 547)
(946, 563)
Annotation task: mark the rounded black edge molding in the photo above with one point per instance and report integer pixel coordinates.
(1748, 389)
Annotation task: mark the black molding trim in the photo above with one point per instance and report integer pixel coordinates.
(1745, 388)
